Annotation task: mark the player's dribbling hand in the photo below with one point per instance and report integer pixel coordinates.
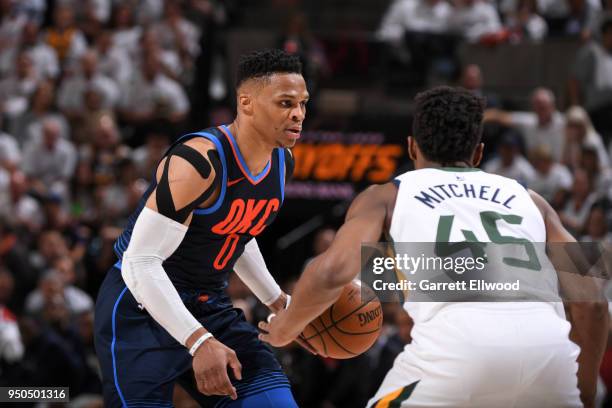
(275, 332)
(278, 334)
(281, 304)
(210, 364)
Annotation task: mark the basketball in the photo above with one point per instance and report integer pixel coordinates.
(350, 326)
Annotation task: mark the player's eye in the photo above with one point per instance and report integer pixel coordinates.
(303, 104)
(286, 104)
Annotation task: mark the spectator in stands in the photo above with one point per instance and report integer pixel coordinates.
(11, 347)
(51, 287)
(510, 162)
(605, 14)
(51, 160)
(475, 20)
(66, 268)
(11, 23)
(93, 112)
(553, 180)
(92, 16)
(17, 203)
(149, 11)
(600, 177)
(416, 32)
(43, 56)
(71, 95)
(51, 245)
(151, 95)
(526, 23)
(580, 133)
(574, 214)
(49, 359)
(581, 17)
(591, 84)
(178, 34)
(121, 196)
(16, 89)
(113, 62)
(424, 16)
(34, 10)
(393, 27)
(125, 32)
(169, 60)
(64, 37)
(544, 125)
(10, 153)
(597, 229)
(472, 80)
(146, 157)
(29, 127)
(103, 150)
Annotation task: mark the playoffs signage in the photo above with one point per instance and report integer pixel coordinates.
(336, 165)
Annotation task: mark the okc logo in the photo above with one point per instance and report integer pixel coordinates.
(241, 217)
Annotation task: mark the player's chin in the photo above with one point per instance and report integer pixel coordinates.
(287, 141)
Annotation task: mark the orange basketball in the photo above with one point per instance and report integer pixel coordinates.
(350, 326)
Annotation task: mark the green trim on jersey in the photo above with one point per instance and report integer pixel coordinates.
(457, 169)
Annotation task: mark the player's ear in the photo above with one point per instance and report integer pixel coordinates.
(477, 156)
(412, 149)
(245, 103)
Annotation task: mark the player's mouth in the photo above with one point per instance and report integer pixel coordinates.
(294, 132)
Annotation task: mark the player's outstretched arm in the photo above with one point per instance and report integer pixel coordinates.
(588, 310)
(326, 275)
(186, 179)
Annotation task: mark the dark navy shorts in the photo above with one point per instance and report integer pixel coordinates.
(141, 362)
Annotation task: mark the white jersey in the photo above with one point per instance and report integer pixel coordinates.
(490, 208)
(479, 354)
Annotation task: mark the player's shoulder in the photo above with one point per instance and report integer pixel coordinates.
(201, 144)
(380, 196)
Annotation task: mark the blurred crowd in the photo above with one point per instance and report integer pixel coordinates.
(91, 94)
(493, 21)
(423, 35)
(93, 91)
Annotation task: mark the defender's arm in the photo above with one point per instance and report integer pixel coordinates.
(327, 274)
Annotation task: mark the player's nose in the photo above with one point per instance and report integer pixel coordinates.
(298, 114)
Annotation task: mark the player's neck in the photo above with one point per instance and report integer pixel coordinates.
(427, 164)
(255, 151)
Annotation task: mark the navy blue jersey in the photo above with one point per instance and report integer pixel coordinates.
(216, 236)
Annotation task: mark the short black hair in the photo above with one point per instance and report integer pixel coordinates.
(265, 63)
(447, 124)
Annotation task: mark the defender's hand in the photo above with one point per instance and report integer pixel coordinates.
(277, 331)
(210, 363)
(281, 304)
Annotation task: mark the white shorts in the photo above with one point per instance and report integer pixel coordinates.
(469, 357)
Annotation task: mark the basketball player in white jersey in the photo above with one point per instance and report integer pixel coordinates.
(485, 354)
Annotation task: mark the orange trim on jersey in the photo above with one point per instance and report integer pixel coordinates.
(244, 171)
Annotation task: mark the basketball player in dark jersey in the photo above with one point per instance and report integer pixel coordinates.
(162, 314)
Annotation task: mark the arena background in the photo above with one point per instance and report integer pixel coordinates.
(92, 91)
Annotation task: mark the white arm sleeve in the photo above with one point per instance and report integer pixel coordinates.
(154, 238)
(252, 270)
